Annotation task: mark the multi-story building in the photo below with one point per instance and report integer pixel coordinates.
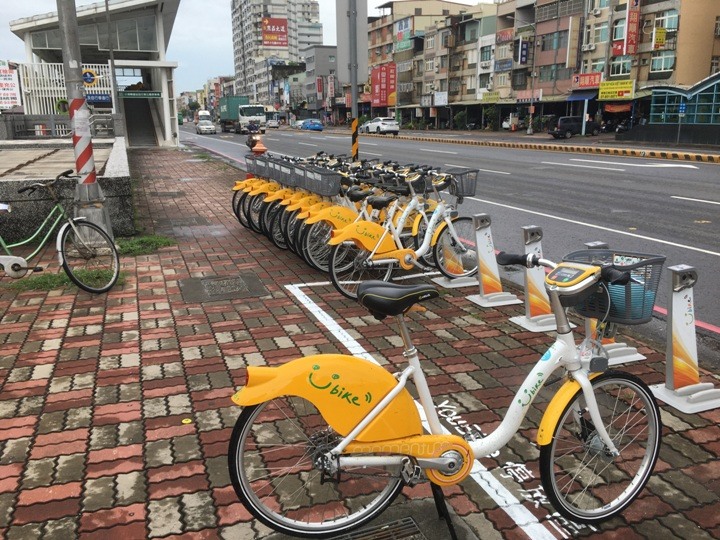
(321, 85)
(264, 29)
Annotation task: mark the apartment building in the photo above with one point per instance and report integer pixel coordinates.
(270, 29)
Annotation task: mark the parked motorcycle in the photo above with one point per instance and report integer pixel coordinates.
(623, 126)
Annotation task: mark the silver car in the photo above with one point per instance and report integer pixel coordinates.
(205, 126)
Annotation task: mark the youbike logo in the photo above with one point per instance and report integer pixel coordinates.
(337, 390)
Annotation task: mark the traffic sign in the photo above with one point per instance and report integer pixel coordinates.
(89, 77)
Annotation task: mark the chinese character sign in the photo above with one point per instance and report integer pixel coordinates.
(588, 80)
(383, 83)
(632, 30)
(9, 87)
(274, 32)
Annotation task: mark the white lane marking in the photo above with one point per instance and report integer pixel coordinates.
(437, 151)
(308, 144)
(584, 224)
(651, 165)
(480, 474)
(372, 154)
(694, 200)
(370, 143)
(583, 166)
(482, 170)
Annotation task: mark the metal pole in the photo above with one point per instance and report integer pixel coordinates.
(353, 57)
(88, 195)
(532, 83)
(113, 80)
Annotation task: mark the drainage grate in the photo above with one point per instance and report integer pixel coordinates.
(198, 290)
(167, 193)
(404, 528)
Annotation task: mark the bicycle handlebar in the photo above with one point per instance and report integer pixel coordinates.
(33, 187)
(608, 273)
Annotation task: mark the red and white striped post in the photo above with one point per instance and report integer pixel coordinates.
(89, 199)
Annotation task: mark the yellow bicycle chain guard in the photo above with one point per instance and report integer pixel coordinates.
(404, 257)
(343, 388)
(365, 234)
(555, 409)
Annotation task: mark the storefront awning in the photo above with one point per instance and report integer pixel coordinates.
(408, 106)
(551, 98)
(617, 107)
(582, 95)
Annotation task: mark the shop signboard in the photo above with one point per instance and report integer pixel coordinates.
(587, 80)
(274, 32)
(616, 90)
(9, 87)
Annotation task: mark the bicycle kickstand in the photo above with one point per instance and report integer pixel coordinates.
(442, 509)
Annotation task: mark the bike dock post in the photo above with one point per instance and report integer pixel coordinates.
(491, 291)
(683, 389)
(618, 352)
(538, 314)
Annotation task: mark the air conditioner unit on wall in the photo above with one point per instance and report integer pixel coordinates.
(489, 87)
(597, 12)
(588, 47)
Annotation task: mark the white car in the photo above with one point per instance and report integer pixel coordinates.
(382, 124)
(273, 124)
(205, 126)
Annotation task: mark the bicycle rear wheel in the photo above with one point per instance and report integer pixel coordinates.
(455, 252)
(582, 481)
(348, 266)
(90, 258)
(314, 245)
(274, 459)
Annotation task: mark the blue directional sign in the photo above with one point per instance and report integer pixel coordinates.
(89, 77)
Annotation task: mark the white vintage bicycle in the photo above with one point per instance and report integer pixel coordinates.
(325, 443)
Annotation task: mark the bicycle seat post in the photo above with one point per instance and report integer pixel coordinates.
(409, 348)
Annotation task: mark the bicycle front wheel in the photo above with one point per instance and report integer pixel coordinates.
(349, 266)
(90, 258)
(275, 456)
(455, 252)
(581, 479)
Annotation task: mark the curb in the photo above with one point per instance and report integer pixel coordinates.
(611, 151)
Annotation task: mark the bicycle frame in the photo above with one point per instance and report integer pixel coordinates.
(57, 213)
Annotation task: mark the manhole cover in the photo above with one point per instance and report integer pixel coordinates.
(198, 290)
(405, 529)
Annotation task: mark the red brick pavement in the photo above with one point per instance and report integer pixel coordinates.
(115, 410)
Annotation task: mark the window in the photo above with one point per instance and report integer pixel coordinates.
(620, 65)
(554, 72)
(600, 33)
(502, 52)
(662, 61)
(388, 48)
(714, 65)
(717, 26)
(470, 83)
(472, 56)
(619, 29)
(502, 79)
(429, 43)
(486, 53)
(554, 41)
(331, 58)
(597, 65)
(430, 65)
(483, 80)
(667, 19)
(602, 3)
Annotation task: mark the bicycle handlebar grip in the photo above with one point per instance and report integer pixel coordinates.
(614, 276)
(505, 259)
(64, 174)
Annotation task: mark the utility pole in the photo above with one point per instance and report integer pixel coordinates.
(88, 195)
(353, 56)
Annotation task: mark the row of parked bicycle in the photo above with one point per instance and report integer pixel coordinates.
(360, 220)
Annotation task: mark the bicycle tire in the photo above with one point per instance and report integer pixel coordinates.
(243, 210)
(632, 419)
(314, 245)
(235, 203)
(275, 228)
(455, 252)
(90, 258)
(265, 217)
(257, 203)
(279, 440)
(348, 270)
(289, 230)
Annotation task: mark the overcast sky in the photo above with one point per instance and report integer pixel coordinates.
(201, 40)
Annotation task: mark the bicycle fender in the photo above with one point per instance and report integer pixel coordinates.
(270, 187)
(59, 237)
(343, 388)
(555, 409)
(337, 216)
(303, 203)
(365, 234)
(314, 208)
(438, 230)
(279, 194)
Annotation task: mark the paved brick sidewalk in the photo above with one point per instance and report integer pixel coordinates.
(115, 410)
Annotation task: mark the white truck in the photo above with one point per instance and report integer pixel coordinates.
(250, 113)
(202, 115)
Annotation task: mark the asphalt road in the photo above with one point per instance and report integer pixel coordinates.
(645, 205)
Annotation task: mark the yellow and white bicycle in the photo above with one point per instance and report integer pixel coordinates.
(325, 443)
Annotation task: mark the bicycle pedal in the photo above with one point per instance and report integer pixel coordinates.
(37, 269)
(410, 472)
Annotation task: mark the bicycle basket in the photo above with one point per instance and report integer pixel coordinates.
(263, 169)
(298, 178)
(628, 304)
(322, 181)
(251, 163)
(465, 183)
